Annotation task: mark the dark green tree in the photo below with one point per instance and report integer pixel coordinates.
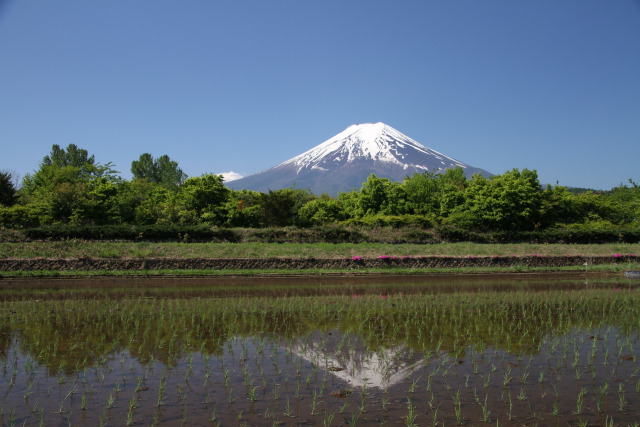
(280, 208)
(8, 191)
(162, 170)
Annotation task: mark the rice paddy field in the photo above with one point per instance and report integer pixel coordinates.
(421, 351)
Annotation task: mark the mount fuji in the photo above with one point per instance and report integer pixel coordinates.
(345, 161)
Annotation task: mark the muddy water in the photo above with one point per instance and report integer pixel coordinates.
(322, 351)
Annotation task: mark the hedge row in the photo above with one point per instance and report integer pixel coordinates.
(326, 234)
(132, 232)
(178, 233)
(303, 235)
(583, 236)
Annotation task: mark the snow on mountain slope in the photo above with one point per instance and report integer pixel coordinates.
(343, 162)
(371, 141)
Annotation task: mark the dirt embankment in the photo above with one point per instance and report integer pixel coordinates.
(34, 264)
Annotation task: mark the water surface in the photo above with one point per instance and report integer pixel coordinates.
(320, 351)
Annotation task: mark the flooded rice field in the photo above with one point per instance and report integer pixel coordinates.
(418, 351)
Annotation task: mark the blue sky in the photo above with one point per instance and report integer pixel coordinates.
(238, 85)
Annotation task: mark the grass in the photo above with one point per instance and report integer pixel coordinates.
(115, 250)
(78, 248)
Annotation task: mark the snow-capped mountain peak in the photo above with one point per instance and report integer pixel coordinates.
(376, 142)
(343, 162)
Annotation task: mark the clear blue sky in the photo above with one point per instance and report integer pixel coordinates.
(235, 85)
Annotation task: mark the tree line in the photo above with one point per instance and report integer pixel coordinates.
(71, 187)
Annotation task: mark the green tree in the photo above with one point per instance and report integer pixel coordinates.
(243, 209)
(452, 185)
(624, 201)
(130, 195)
(62, 189)
(203, 198)
(324, 210)
(72, 156)
(350, 204)
(423, 193)
(381, 195)
(162, 170)
(67, 200)
(72, 165)
(589, 209)
(101, 202)
(557, 205)
(158, 205)
(92, 202)
(511, 201)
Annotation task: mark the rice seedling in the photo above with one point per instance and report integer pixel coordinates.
(457, 407)
(287, 410)
(485, 410)
(253, 354)
(622, 400)
(411, 415)
(580, 401)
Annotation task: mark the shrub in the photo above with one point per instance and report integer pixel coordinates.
(326, 234)
(394, 221)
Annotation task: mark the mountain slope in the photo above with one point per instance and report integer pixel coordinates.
(344, 162)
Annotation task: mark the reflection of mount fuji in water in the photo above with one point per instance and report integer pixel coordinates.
(354, 364)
